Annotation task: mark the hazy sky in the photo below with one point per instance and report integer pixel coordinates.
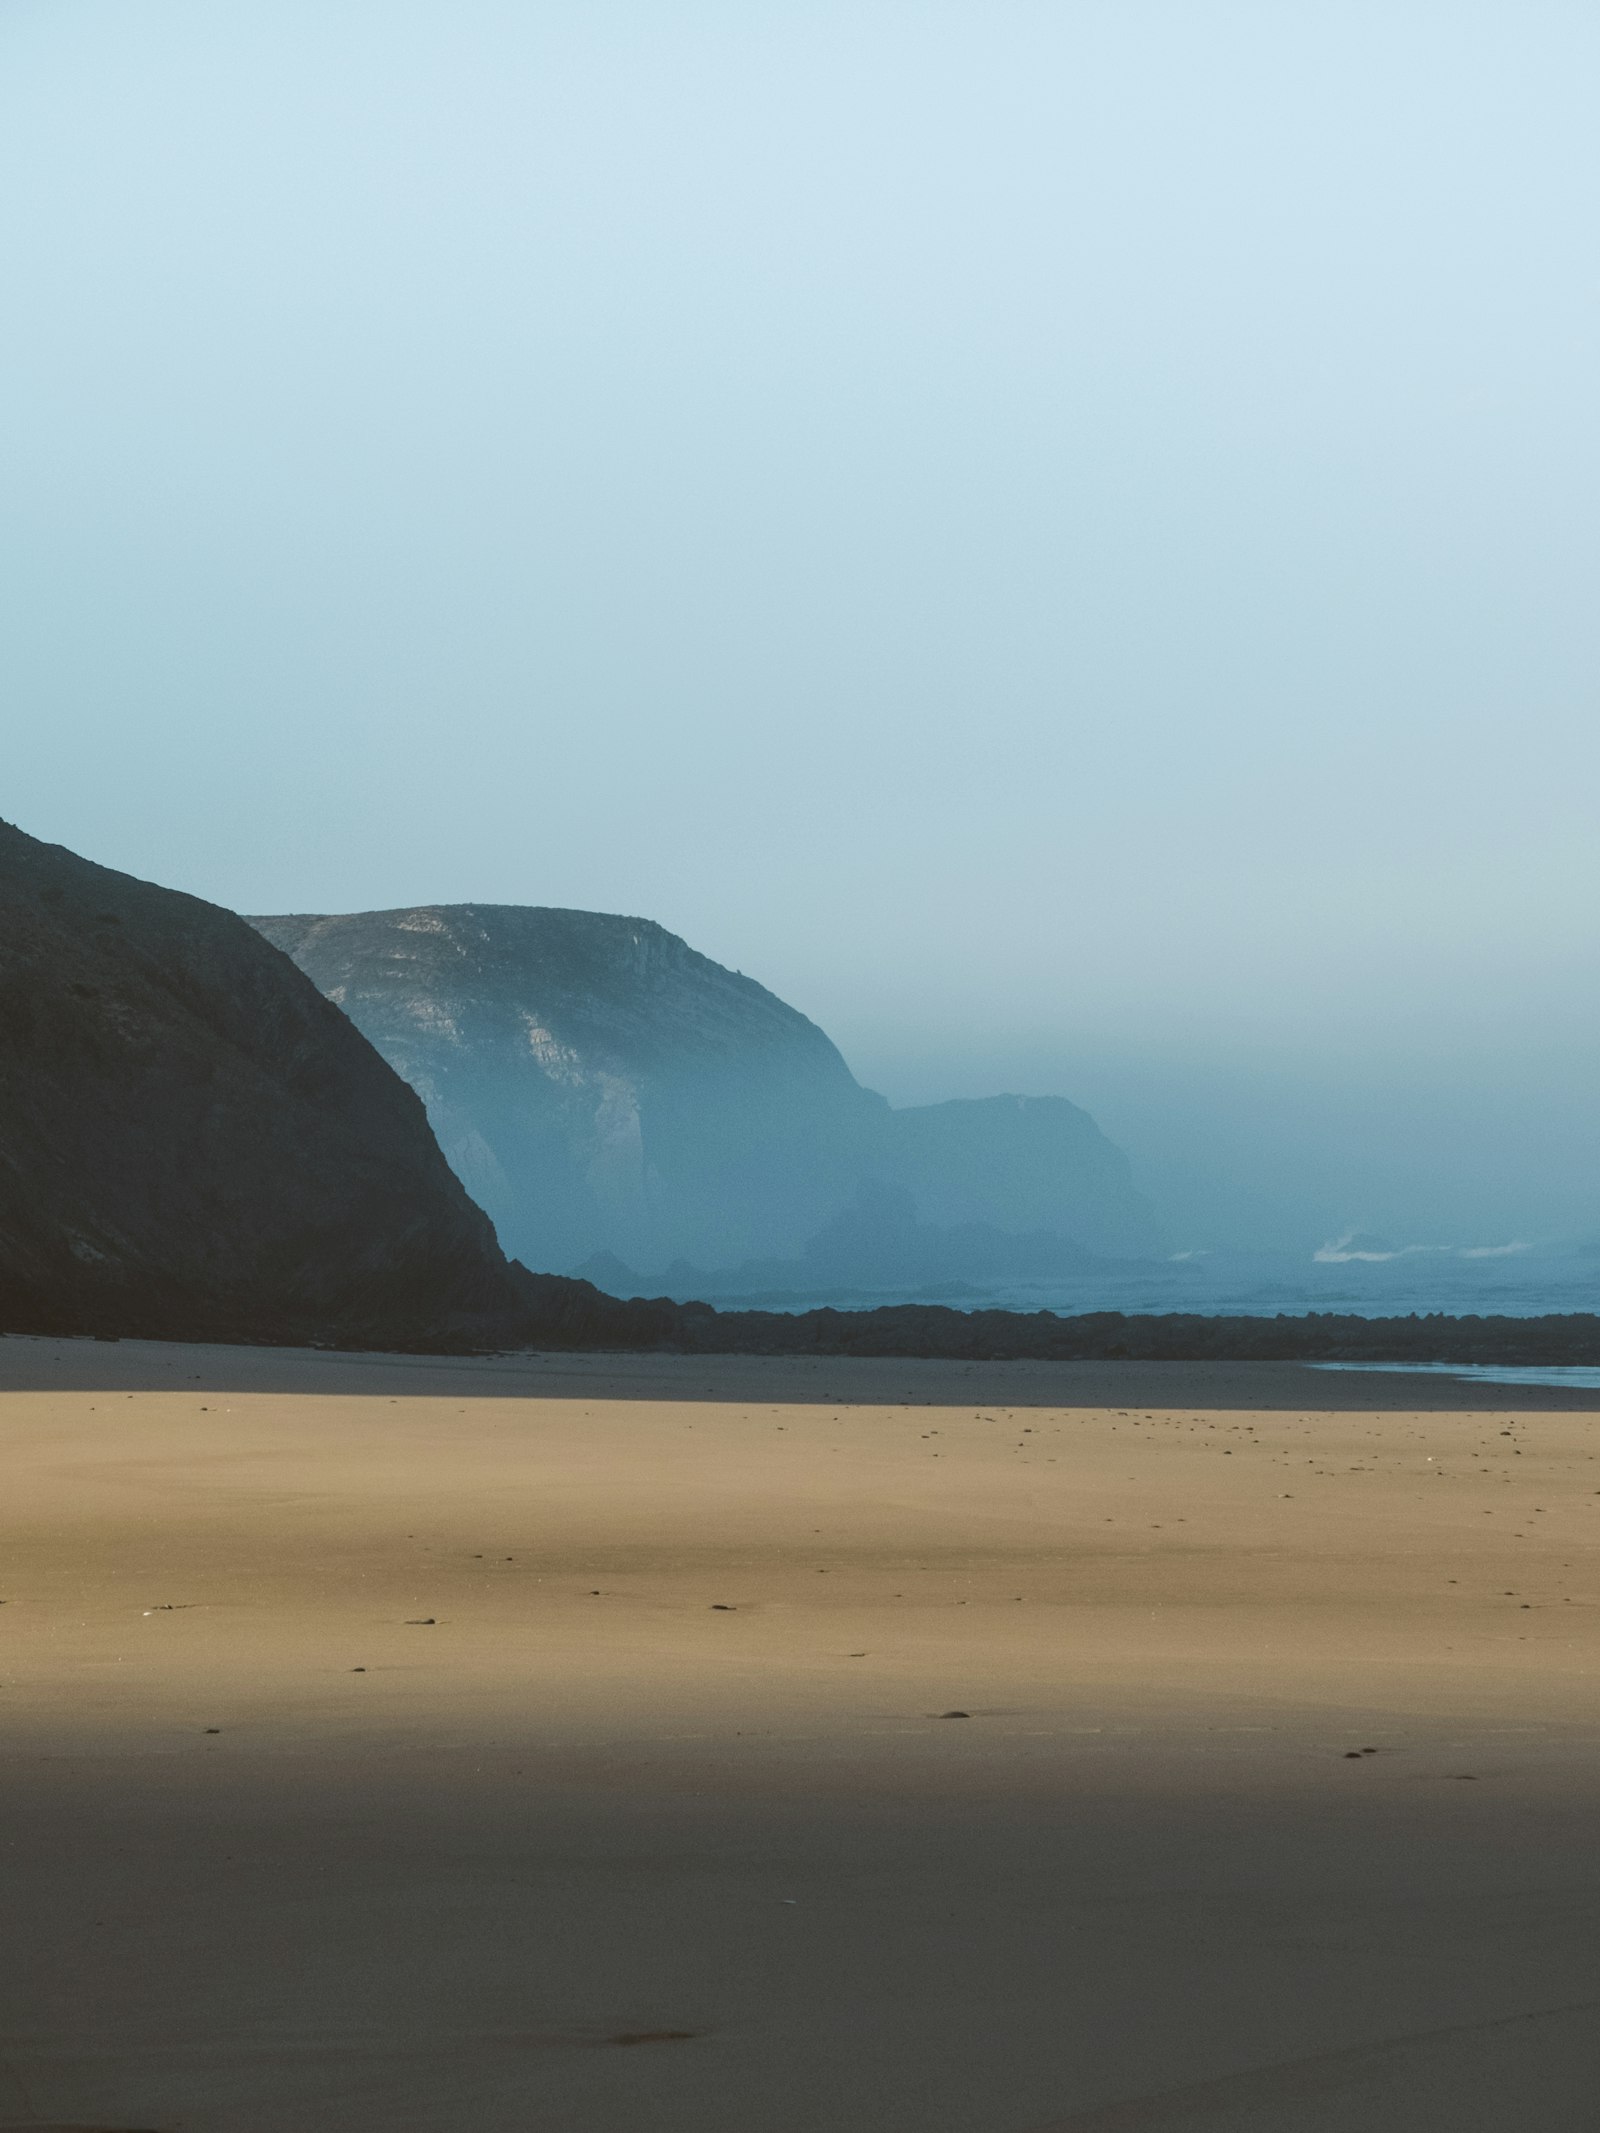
(1063, 538)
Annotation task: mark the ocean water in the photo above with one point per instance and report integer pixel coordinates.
(1575, 1377)
(1491, 1282)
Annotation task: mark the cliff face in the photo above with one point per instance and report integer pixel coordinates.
(602, 1088)
(1022, 1164)
(194, 1142)
(596, 1083)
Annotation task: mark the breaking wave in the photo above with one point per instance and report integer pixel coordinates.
(1355, 1247)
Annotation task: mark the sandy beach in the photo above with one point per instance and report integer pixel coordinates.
(749, 1746)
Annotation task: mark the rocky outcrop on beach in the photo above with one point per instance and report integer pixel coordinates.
(1564, 1340)
(195, 1143)
(603, 1089)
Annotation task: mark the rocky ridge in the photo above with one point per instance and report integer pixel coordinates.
(602, 1088)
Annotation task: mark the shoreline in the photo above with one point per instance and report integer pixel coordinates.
(41, 1362)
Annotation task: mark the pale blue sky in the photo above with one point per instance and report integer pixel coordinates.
(1062, 538)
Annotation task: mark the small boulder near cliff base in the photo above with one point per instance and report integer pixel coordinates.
(195, 1144)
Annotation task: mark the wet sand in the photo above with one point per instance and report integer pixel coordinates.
(565, 1744)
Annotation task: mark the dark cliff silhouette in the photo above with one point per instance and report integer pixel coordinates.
(193, 1142)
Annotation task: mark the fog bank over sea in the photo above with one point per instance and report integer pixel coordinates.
(1285, 1139)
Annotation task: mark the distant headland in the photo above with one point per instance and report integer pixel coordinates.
(198, 1142)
